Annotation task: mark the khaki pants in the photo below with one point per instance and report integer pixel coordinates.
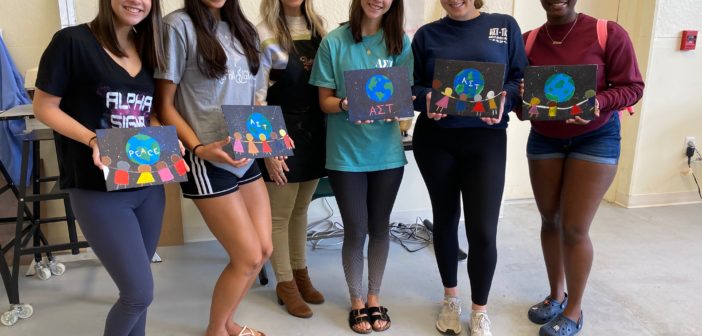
(289, 204)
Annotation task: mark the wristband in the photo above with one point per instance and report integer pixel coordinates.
(341, 105)
(195, 148)
(91, 140)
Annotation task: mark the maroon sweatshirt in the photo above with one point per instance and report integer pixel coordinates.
(619, 81)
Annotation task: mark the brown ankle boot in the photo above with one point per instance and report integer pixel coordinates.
(289, 296)
(304, 284)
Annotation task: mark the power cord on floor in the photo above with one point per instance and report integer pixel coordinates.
(412, 237)
(321, 232)
(327, 234)
(329, 208)
(690, 152)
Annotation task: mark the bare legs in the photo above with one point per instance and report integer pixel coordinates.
(241, 222)
(568, 193)
(546, 182)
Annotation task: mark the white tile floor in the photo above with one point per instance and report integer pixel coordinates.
(645, 281)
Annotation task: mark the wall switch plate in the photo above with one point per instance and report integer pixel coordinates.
(690, 141)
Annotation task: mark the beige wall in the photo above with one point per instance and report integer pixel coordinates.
(28, 26)
(652, 155)
(638, 18)
(334, 12)
(652, 140)
(26, 39)
(670, 111)
(87, 9)
(530, 14)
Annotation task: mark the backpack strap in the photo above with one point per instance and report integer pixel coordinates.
(531, 38)
(602, 39)
(602, 33)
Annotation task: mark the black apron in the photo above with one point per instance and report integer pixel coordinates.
(304, 119)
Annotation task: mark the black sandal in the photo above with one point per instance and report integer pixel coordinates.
(358, 316)
(379, 314)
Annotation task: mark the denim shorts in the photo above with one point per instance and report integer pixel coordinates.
(602, 145)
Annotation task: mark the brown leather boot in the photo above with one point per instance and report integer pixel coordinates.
(289, 296)
(304, 284)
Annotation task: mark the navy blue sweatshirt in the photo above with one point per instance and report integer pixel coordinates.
(492, 38)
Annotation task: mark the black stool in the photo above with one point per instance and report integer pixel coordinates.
(28, 227)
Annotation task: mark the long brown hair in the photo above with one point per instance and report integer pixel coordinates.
(147, 36)
(392, 24)
(274, 17)
(212, 60)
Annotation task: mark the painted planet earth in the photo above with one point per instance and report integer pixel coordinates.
(469, 82)
(258, 124)
(379, 88)
(559, 88)
(143, 150)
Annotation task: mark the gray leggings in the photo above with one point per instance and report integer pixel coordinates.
(123, 229)
(365, 202)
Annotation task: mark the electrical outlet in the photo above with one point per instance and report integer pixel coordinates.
(690, 141)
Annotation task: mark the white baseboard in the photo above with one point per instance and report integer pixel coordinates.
(656, 200)
(199, 233)
(529, 200)
(85, 254)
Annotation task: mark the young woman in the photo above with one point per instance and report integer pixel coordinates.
(365, 162)
(462, 156)
(82, 71)
(572, 163)
(290, 34)
(213, 59)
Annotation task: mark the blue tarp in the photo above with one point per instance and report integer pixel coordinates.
(12, 93)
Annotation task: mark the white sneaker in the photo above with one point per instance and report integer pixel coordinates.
(479, 324)
(449, 321)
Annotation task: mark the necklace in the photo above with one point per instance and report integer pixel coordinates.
(372, 44)
(564, 37)
(369, 51)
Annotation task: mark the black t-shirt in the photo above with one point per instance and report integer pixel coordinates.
(304, 119)
(95, 91)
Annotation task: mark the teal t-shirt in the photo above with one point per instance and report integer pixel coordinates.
(351, 147)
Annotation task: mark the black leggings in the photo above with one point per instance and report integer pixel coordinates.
(123, 229)
(468, 162)
(365, 202)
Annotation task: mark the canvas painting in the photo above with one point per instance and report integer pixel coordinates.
(469, 89)
(140, 157)
(376, 94)
(257, 131)
(559, 92)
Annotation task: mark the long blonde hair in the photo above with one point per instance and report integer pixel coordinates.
(274, 18)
